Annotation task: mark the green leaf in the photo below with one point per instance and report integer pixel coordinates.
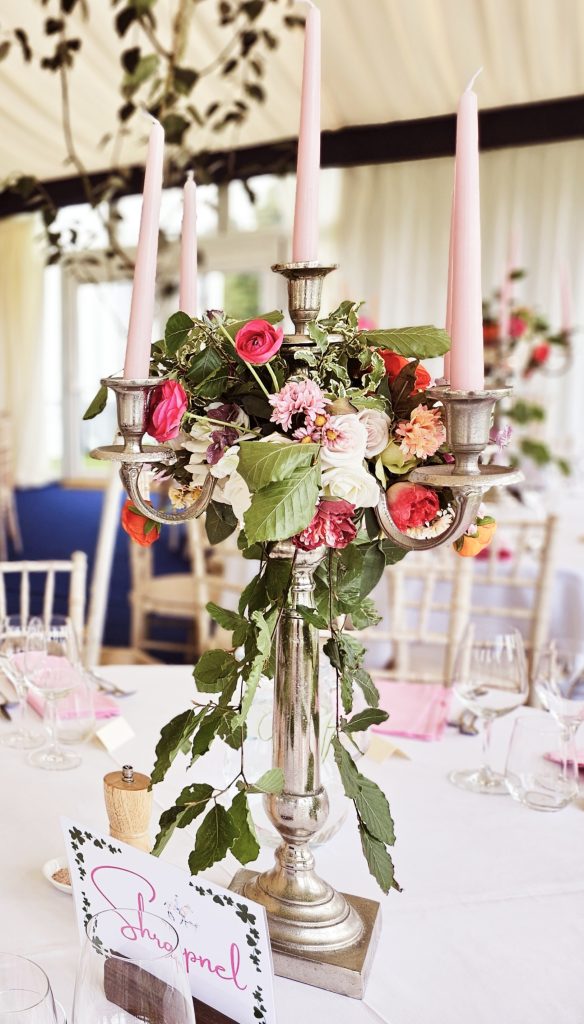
(215, 836)
(172, 738)
(97, 404)
(205, 363)
(209, 728)
(313, 617)
(364, 719)
(525, 412)
(215, 385)
(365, 614)
(370, 803)
(392, 552)
(372, 569)
(184, 79)
(277, 578)
(536, 450)
(264, 464)
(245, 846)
(283, 509)
(144, 69)
(253, 596)
(263, 641)
(378, 860)
(220, 522)
(215, 670)
(226, 618)
(413, 342)
(363, 680)
(177, 331)
(319, 336)
(175, 125)
(271, 781)
(191, 802)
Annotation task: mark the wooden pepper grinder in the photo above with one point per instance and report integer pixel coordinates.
(128, 803)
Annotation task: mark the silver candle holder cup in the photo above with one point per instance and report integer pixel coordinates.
(319, 936)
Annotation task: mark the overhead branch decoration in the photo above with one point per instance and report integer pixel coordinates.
(155, 75)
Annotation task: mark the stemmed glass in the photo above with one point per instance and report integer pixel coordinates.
(25, 993)
(131, 970)
(490, 678)
(559, 684)
(51, 670)
(13, 640)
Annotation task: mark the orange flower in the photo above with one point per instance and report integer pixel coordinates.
(142, 531)
(394, 363)
(471, 544)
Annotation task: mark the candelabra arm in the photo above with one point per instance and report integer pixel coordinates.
(130, 474)
(466, 507)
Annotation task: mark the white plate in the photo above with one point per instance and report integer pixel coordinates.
(49, 870)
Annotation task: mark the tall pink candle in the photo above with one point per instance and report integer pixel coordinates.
(305, 237)
(566, 301)
(448, 320)
(506, 301)
(466, 354)
(188, 249)
(137, 363)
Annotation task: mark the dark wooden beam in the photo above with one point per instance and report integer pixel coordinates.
(525, 124)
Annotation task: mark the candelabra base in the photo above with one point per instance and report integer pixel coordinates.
(344, 971)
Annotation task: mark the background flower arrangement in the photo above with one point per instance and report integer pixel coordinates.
(300, 447)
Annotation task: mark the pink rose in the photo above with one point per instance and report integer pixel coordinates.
(517, 326)
(168, 404)
(258, 342)
(332, 525)
(411, 505)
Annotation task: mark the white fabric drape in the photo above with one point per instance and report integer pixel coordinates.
(22, 264)
(391, 241)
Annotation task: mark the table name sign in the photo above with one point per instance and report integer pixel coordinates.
(223, 938)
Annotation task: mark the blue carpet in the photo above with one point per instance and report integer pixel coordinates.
(56, 521)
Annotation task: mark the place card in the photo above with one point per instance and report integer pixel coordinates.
(115, 733)
(223, 937)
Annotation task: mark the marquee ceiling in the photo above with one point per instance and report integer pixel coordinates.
(383, 60)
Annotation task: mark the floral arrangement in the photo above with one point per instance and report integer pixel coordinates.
(301, 445)
(518, 350)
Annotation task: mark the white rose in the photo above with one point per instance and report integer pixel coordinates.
(197, 445)
(277, 438)
(198, 471)
(353, 483)
(241, 420)
(350, 448)
(237, 494)
(227, 463)
(377, 425)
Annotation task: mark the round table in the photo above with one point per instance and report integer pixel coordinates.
(489, 927)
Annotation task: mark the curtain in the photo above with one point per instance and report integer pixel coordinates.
(22, 265)
(391, 240)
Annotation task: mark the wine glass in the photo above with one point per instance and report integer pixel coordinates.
(559, 684)
(13, 639)
(490, 678)
(131, 969)
(539, 776)
(51, 670)
(25, 993)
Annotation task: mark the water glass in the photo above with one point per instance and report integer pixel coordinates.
(131, 969)
(51, 669)
(538, 773)
(559, 684)
(490, 678)
(13, 639)
(25, 993)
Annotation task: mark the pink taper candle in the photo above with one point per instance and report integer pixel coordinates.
(466, 354)
(137, 363)
(566, 300)
(448, 322)
(305, 238)
(506, 301)
(188, 249)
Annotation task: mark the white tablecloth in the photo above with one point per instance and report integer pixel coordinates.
(489, 928)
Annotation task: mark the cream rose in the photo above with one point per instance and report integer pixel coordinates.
(377, 425)
(344, 440)
(353, 483)
(227, 464)
(237, 494)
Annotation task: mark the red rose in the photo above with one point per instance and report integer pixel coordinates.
(258, 342)
(540, 353)
(395, 363)
(517, 326)
(332, 524)
(142, 530)
(411, 505)
(490, 332)
(168, 404)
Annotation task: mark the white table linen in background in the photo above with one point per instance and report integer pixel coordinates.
(488, 930)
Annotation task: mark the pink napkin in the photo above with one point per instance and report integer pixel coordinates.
(104, 706)
(416, 710)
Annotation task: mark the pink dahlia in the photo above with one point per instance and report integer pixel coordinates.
(332, 524)
(297, 397)
(423, 433)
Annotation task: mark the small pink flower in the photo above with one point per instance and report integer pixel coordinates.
(332, 525)
(258, 341)
(366, 324)
(423, 433)
(168, 404)
(302, 397)
(517, 326)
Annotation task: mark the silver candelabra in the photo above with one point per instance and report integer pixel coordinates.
(319, 936)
